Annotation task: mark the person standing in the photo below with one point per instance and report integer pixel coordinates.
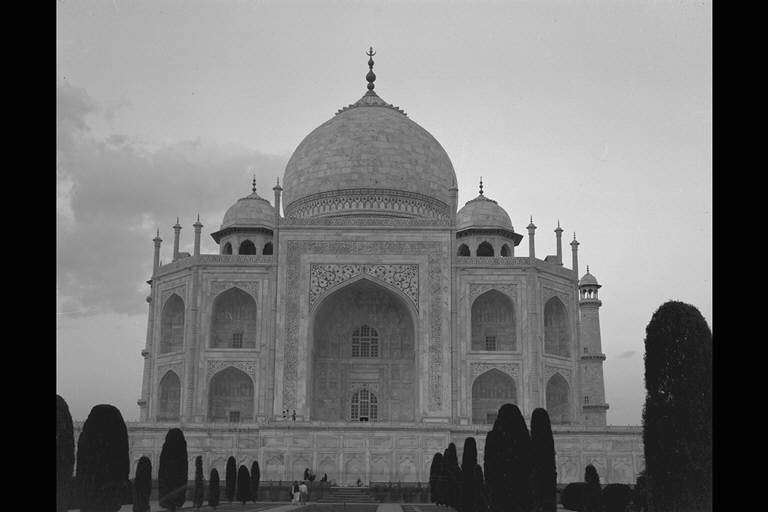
(303, 492)
(295, 492)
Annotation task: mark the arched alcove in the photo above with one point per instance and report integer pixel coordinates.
(267, 251)
(346, 326)
(227, 248)
(505, 251)
(246, 247)
(172, 325)
(230, 397)
(490, 391)
(463, 250)
(169, 397)
(556, 331)
(558, 399)
(493, 322)
(364, 406)
(485, 249)
(233, 322)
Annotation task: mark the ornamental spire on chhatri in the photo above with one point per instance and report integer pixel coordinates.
(370, 98)
(371, 76)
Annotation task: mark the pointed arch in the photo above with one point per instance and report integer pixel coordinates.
(172, 325)
(490, 391)
(364, 405)
(227, 248)
(493, 322)
(558, 399)
(246, 247)
(556, 328)
(268, 249)
(505, 251)
(485, 249)
(463, 250)
(234, 320)
(169, 397)
(230, 396)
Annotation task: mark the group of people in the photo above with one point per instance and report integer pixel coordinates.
(300, 492)
(286, 415)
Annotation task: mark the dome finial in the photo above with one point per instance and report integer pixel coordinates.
(371, 76)
(587, 269)
(253, 184)
(481, 185)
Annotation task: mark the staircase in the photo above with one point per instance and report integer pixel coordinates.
(347, 495)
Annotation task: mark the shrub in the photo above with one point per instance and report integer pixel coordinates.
(544, 473)
(173, 471)
(243, 485)
(213, 489)
(572, 497)
(508, 461)
(616, 497)
(198, 496)
(255, 476)
(102, 460)
(677, 417)
(231, 476)
(142, 485)
(65, 454)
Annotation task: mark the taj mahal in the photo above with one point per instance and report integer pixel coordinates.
(364, 319)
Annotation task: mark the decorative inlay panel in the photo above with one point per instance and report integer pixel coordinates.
(213, 367)
(549, 371)
(475, 290)
(252, 287)
(437, 258)
(479, 368)
(179, 290)
(325, 276)
(548, 293)
(176, 366)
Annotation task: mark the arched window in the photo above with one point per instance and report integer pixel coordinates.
(485, 249)
(556, 332)
(365, 342)
(247, 247)
(490, 391)
(267, 249)
(505, 250)
(172, 325)
(230, 397)
(463, 250)
(558, 403)
(364, 406)
(227, 248)
(170, 398)
(234, 320)
(493, 322)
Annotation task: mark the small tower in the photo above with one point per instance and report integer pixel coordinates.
(531, 243)
(559, 239)
(593, 386)
(156, 262)
(198, 226)
(575, 257)
(176, 233)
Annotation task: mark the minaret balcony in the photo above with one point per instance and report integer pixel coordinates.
(141, 402)
(587, 357)
(596, 407)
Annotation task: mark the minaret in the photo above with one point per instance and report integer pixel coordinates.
(176, 233)
(575, 250)
(559, 236)
(531, 246)
(197, 227)
(156, 262)
(592, 357)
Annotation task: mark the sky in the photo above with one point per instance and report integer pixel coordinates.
(597, 114)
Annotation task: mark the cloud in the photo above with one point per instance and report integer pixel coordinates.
(113, 191)
(627, 354)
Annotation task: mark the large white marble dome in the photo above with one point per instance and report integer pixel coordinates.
(369, 159)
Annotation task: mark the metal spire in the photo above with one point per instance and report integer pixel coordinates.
(253, 184)
(371, 76)
(481, 185)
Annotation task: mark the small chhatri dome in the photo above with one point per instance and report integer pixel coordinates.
(589, 280)
(250, 211)
(483, 213)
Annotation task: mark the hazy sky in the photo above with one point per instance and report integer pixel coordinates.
(594, 113)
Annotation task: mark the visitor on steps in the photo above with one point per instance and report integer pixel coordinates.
(295, 492)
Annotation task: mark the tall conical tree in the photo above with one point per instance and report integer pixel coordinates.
(508, 461)
(198, 496)
(142, 485)
(231, 479)
(173, 471)
(544, 474)
(255, 476)
(592, 501)
(471, 478)
(102, 460)
(436, 486)
(213, 489)
(243, 485)
(677, 417)
(452, 474)
(65, 454)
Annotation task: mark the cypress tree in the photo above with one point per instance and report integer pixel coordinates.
(544, 474)
(435, 480)
(102, 460)
(677, 417)
(592, 495)
(65, 454)
(198, 496)
(213, 489)
(508, 461)
(255, 476)
(231, 479)
(243, 485)
(173, 471)
(142, 485)
(452, 475)
(471, 478)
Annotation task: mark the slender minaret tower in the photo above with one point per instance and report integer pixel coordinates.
(559, 236)
(198, 226)
(575, 250)
(531, 244)
(176, 233)
(156, 262)
(592, 357)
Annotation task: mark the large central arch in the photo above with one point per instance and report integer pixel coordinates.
(363, 338)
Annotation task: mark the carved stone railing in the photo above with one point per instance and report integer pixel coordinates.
(215, 259)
